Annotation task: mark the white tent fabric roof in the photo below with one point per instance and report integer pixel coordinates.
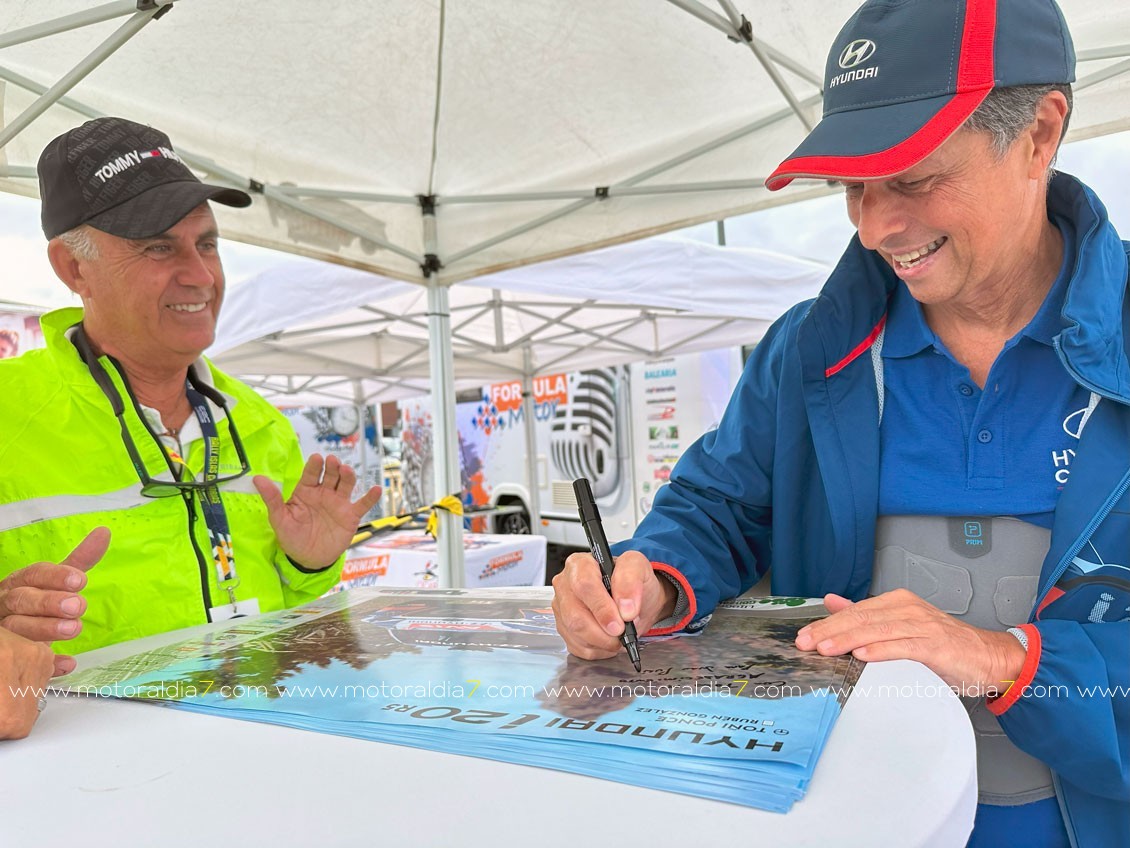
(301, 327)
(506, 113)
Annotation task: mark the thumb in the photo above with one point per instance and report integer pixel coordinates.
(835, 603)
(271, 494)
(87, 552)
(632, 571)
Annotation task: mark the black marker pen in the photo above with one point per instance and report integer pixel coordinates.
(598, 543)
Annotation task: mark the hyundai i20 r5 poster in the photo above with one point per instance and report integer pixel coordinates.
(734, 712)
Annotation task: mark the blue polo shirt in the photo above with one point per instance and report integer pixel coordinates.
(949, 447)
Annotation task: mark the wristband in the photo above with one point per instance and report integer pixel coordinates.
(1020, 635)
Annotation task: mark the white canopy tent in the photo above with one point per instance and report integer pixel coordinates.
(435, 142)
(452, 138)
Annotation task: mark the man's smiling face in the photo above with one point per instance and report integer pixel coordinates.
(950, 226)
(156, 300)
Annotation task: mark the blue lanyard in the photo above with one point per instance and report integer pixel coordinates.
(215, 516)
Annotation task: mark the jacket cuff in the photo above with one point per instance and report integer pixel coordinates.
(685, 605)
(306, 570)
(997, 706)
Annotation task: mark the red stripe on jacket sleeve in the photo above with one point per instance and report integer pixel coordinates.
(997, 706)
(692, 605)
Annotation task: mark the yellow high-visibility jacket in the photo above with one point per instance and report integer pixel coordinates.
(66, 471)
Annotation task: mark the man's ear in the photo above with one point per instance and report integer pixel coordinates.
(66, 267)
(1046, 131)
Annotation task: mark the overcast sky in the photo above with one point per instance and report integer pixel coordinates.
(816, 229)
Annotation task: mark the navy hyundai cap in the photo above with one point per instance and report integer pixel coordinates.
(903, 76)
(120, 177)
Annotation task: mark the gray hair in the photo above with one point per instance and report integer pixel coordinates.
(80, 242)
(1006, 112)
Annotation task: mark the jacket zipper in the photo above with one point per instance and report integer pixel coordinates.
(1070, 554)
(1077, 545)
(1104, 510)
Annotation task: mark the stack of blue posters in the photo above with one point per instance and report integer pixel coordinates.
(734, 712)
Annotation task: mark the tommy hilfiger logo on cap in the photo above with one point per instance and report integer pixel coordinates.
(121, 177)
(903, 76)
(133, 157)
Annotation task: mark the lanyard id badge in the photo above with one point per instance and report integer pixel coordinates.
(216, 517)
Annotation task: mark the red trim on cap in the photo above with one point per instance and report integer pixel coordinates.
(692, 604)
(885, 163)
(974, 82)
(997, 706)
(978, 37)
(857, 350)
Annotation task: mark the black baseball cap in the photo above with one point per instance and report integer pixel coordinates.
(904, 75)
(122, 178)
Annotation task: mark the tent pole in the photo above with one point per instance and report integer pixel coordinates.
(68, 22)
(737, 29)
(745, 32)
(1102, 76)
(1096, 53)
(359, 405)
(70, 79)
(379, 425)
(606, 192)
(707, 16)
(445, 454)
(338, 194)
(528, 413)
(445, 436)
(499, 334)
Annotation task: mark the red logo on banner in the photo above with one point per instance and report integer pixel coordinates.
(375, 566)
(505, 397)
(551, 388)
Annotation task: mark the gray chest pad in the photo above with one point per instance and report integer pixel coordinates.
(985, 572)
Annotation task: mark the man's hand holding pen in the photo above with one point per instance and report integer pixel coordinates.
(590, 620)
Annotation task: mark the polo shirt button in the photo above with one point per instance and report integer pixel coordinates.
(965, 390)
(984, 437)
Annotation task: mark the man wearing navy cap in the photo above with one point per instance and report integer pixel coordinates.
(120, 423)
(940, 442)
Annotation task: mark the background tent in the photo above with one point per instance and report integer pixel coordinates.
(327, 331)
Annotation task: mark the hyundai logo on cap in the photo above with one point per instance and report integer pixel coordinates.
(856, 53)
(911, 74)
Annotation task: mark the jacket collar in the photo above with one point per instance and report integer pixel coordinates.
(1093, 339)
(57, 326)
(1093, 342)
(74, 373)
